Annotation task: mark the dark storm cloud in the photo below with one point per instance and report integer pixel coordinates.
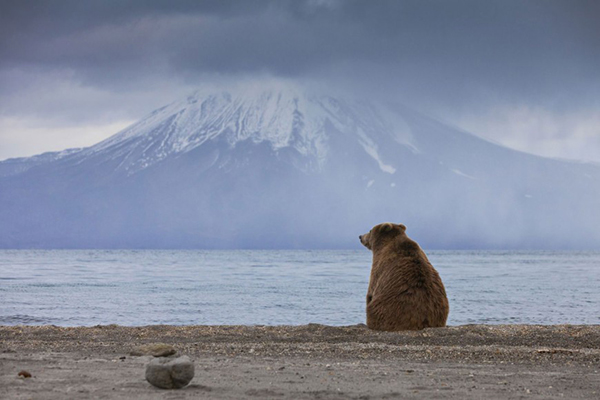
(443, 50)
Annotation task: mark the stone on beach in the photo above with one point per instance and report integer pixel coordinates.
(170, 373)
(24, 374)
(155, 349)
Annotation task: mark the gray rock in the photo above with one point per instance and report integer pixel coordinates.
(170, 373)
(155, 349)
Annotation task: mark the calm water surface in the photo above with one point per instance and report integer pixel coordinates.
(129, 287)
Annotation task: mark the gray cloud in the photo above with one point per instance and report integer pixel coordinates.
(521, 48)
(442, 56)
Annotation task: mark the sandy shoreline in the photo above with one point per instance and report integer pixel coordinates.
(309, 361)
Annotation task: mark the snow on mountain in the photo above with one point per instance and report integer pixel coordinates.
(277, 166)
(282, 117)
(15, 166)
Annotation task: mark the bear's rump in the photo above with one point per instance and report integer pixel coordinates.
(399, 310)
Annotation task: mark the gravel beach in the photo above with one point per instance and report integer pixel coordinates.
(306, 362)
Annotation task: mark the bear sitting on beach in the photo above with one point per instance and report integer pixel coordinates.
(405, 291)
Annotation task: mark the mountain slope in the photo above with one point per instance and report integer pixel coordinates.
(280, 168)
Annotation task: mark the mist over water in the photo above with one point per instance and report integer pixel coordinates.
(127, 287)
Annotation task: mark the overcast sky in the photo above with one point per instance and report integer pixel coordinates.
(522, 73)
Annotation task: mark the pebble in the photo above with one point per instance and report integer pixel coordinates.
(156, 350)
(24, 374)
(170, 373)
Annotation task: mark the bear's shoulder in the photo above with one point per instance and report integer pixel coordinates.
(405, 245)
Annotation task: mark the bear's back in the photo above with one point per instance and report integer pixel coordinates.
(406, 291)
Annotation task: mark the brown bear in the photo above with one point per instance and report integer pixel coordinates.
(405, 291)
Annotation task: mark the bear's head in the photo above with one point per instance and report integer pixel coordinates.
(381, 234)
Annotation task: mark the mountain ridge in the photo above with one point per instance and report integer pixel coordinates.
(222, 170)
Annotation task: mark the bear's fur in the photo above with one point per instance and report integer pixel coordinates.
(405, 291)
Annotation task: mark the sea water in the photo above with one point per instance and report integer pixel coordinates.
(143, 287)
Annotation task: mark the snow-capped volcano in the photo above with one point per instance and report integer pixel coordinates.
(284, 117)
(277, 166)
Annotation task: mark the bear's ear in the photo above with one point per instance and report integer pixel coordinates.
(387, 227)
(402, 227)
